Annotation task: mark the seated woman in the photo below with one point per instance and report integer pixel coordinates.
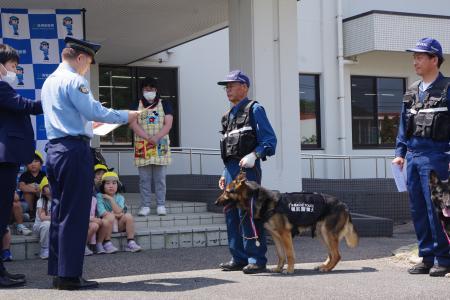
(111, 206)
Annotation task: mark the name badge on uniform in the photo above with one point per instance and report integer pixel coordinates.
(83, 89)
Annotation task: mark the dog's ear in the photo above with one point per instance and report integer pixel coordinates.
(252, 185)
(434, 179)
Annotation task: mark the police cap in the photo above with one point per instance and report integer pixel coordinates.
(236, 76)
(83, 46)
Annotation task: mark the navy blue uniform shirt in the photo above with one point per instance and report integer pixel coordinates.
(415, 143)
(16, 131)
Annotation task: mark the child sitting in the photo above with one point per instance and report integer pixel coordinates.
(111, 207)
(19, 216)
(96, 225)
(43, 216)
(99, 170)
(29, 181)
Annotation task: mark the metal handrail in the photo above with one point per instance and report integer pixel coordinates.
(311, 157)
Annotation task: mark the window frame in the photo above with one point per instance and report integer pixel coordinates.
(318, 145)
(375, 109)
(135, 92)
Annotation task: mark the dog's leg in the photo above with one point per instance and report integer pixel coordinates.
(286, 238)
(279, 246)
(332, 243)
(280, 253)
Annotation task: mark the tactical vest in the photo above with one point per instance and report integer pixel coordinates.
(239, 137)
(430, 118)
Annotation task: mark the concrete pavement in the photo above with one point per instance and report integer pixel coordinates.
(369, 271)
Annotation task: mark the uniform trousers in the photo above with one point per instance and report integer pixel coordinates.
(433, 244)
(8, 174)
(70, 174)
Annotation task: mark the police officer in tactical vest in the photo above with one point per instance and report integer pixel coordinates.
(423, 139)
(247, 138)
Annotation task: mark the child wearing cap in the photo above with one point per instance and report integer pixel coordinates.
(29, 181)
(99, 170)
(41, 225)
(111, 206)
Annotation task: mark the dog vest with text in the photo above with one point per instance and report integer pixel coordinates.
(302, 209)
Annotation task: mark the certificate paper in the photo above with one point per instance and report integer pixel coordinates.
(104, 128)
(399, 177)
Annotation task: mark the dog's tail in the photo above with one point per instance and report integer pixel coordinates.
(351, 236)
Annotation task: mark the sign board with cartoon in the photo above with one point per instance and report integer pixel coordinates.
(38, 35)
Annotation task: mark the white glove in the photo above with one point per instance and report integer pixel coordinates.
(248, 161)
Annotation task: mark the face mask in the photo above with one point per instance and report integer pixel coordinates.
(149, 96)
(10, 77)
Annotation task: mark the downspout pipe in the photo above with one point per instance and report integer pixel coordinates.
(342, 137)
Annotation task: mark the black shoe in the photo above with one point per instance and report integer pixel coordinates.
(439, 271)
(14, 276)
(420, 268)
(254, 269)
(6, 282)
(75, 283)
(231, 266)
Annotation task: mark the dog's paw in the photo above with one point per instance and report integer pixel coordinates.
(322, 268)
(276, 270)
(290, 271)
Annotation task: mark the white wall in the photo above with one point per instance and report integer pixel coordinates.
(201, 63)
(433, 7)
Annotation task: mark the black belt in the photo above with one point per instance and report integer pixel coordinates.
(83, 138)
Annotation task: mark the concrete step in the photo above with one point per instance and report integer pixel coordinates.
(27, 247)
(187, 224)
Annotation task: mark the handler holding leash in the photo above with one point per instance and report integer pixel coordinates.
(247, 138)
(423, 137)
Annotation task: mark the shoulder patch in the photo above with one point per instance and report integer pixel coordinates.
(83, 89)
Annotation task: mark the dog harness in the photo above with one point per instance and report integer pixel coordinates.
(301, 209)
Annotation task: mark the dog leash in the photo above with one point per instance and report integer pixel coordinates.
(255, 233)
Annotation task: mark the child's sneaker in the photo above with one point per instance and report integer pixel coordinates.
(87, 251)
(43, 254)
(100, 249)
(132, 247)
(161, 210)
(26, 217)
(22, 229)
(6, 255)
(109, 248)
(144, 211)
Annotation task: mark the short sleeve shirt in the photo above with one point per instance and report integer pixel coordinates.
(28, 178)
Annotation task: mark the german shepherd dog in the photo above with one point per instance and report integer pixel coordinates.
(440, 195)
(332, 224)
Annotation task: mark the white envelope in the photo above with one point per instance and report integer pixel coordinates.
(104, 128)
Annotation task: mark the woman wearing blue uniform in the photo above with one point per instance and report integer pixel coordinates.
(16, 144)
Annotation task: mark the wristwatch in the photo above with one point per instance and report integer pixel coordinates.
(258, 155)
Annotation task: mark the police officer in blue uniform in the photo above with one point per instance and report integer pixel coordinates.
(69, 109)
(16, 145)
(248, 137)
(423, 139)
